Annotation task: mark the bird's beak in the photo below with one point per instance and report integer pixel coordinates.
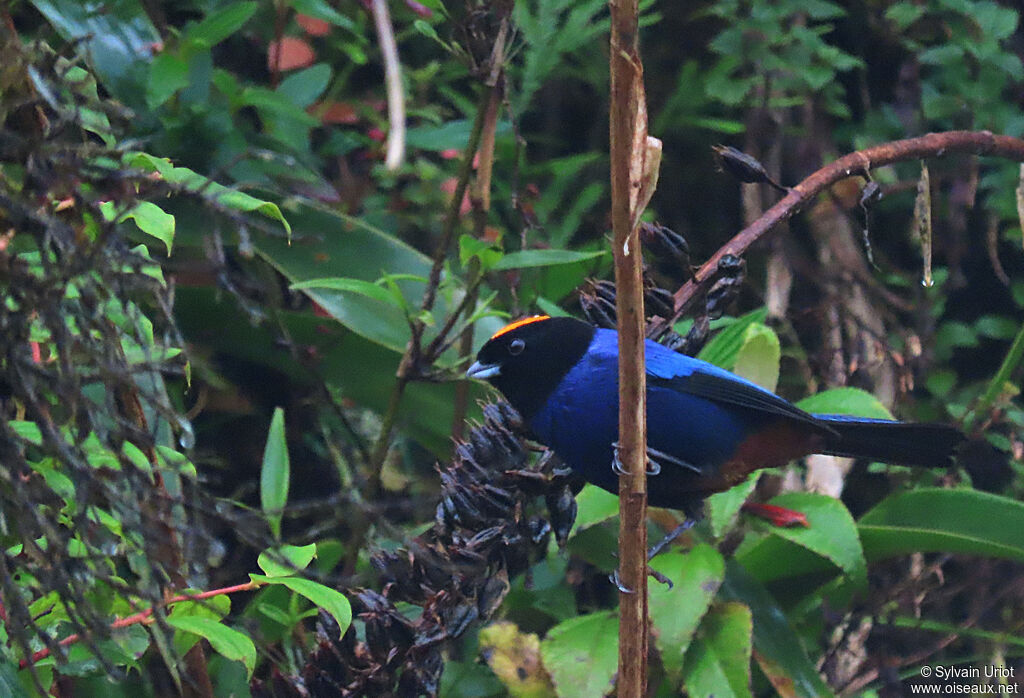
(483, 371)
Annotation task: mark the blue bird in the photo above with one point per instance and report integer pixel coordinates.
(707, 428)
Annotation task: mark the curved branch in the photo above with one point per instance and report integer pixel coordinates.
(858, 163)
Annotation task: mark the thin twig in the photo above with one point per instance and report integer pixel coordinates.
(393, 82)
(854, 164)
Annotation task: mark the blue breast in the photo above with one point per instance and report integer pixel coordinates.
(580, 420)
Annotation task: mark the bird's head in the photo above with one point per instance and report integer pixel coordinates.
(527, 359)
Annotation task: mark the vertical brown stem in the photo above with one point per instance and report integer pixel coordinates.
(627, 122)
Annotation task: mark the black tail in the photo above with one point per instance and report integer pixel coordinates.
(928, 445)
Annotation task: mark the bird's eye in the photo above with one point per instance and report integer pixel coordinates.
(516, 347)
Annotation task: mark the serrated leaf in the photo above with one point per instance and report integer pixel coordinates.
(225, 641)
(831, 533)
(321, 596)
(275, 473)
(581, 654)
(676, 613)
(723, 507)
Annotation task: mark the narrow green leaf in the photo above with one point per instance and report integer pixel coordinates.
(27, 430)
(330, 600)
(167, 74)
(581, 654)
(939, 520)
(225, 641)
(222, 23)
(543, 258)
(778, 650)
(323, 10)
(363, 288)
(286, 560)
(676, 612)
(275, 473)
(718, 661)
(849, 401)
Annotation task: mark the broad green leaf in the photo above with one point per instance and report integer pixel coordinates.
(725, 346)
(215, 609)
(286, 560)
(543, 258)
(594, 506)
(29, 431)
(225, 641)
(939, 520)
(198, 184)
(676, 612)
(848, 401)
(758, 357)
(718, 661)
(275, 473)
(150, 219)
(275, 104)
(581, 654)
(303, 87)
(321, 596)
(117, 39)
(723, 507)
(167, 74)
(777, 648)
(9, 683)
(832, 534)
(221, 23)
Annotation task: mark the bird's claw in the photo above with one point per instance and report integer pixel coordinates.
(660, 546)
(617, 581)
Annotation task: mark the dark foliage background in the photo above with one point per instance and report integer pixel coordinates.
(232, 339)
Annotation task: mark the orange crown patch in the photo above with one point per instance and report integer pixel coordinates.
(519, 323)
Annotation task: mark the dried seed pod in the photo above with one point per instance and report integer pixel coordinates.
(665, 244)
(744, 167)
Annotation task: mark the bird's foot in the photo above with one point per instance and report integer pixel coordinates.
(776, 516)
(660, 546)
(615, 579)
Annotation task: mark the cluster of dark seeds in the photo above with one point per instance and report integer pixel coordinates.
(597, 298)
(488, 528)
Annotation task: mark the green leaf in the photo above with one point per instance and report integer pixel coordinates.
(725, 346)
(222, 23)
(676, 612)
(198, 184)
(939, 520)
(330, 600)
(758, 357)
(303, 87)
(594, 506)
(848, 401)
(997, 327)
(723, 507)
(831, 534)
(286, 560)
(225, 641)
(779, 652)
(29, 431)
(323, 10)
(363, 288)
(167, 74)
(117, 39)
(486, 252)
(718, 661)
(275, 473)
(9, 683)
(581, 654)
(154, 221)
(543, 258)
